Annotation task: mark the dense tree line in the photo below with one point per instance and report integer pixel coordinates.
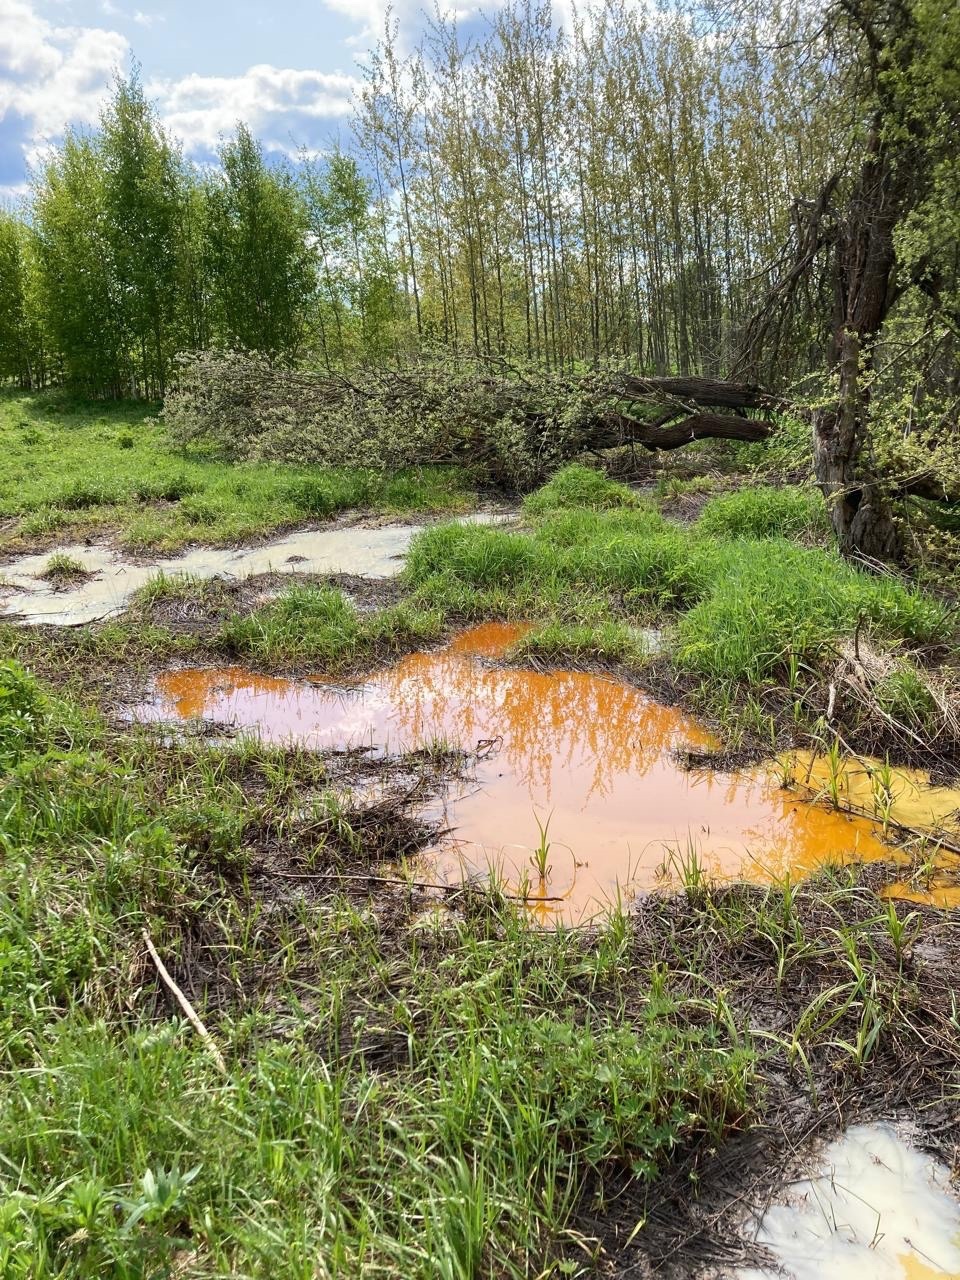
(765, 191)
(607, 193)
(128, 255)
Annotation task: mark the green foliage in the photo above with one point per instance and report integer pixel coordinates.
(259, 261)
(319, 624)
(764, 512)
(581, 487)
(23, 714)
(109, 214)
(71, 470)
(357, 294)
(243, 405)
(23, 353)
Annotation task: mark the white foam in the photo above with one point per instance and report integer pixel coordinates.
(374, 552)
(873, 1204)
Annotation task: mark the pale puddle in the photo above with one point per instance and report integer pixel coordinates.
(373, 552)
(592, 757)
(873, 1208)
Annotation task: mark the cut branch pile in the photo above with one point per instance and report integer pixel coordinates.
(517, 424)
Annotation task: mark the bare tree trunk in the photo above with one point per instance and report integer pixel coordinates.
(859, 505)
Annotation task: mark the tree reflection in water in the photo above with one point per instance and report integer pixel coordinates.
(594, 755)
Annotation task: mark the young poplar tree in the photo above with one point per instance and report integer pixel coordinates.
(23, 356)
(261, 271)
(355, 301)
(144, 188)
(83, 309)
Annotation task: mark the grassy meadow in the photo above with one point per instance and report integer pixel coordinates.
(71, 469)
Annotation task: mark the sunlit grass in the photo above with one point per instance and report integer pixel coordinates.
(319, 625)
(70, 467)
(746, 605)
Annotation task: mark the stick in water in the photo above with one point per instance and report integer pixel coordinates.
(186, 1006)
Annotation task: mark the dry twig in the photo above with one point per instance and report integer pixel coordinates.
(192, 1016)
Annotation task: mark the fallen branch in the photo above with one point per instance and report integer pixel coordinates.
(409, 884)
(192, 1016)
(695, 426)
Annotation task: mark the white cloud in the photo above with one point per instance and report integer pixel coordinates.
(51, 75)
(13, 196)
(279, 104)
(409, 15)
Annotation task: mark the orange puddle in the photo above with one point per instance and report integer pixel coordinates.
(591, 756)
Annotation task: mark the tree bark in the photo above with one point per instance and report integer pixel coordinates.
(673, 435)
(858, 504)
(701, 391)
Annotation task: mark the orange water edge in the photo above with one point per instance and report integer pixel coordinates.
(589, 758)
(915, 1268)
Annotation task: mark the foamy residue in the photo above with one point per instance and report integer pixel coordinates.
(874, 1207)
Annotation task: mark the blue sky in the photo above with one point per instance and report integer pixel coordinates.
(287, 67)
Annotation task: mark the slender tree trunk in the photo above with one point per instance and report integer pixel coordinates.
(859, 507)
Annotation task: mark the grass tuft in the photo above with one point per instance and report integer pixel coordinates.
(62, 568)
(582, 487)
(748, 606)
(569, 642)
(319, 625)
(764, 512)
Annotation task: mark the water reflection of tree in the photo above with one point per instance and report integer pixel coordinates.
(564, 721)
(567, 739)
(194, 692)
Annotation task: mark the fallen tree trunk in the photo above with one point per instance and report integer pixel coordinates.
(703, 391)
(518, 425)
(697, 426)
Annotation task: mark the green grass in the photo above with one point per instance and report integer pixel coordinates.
(69, 467)
(765, 512)
(417, 1103)
(747, 606)
(64, 568)
(320, 625)
(769, 601)
(582, 487)
(446, 1095)
(565, 642)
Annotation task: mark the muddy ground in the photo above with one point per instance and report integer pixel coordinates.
(710, 939)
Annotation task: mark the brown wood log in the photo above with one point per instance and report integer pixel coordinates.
(699, 391)
(696, 426)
